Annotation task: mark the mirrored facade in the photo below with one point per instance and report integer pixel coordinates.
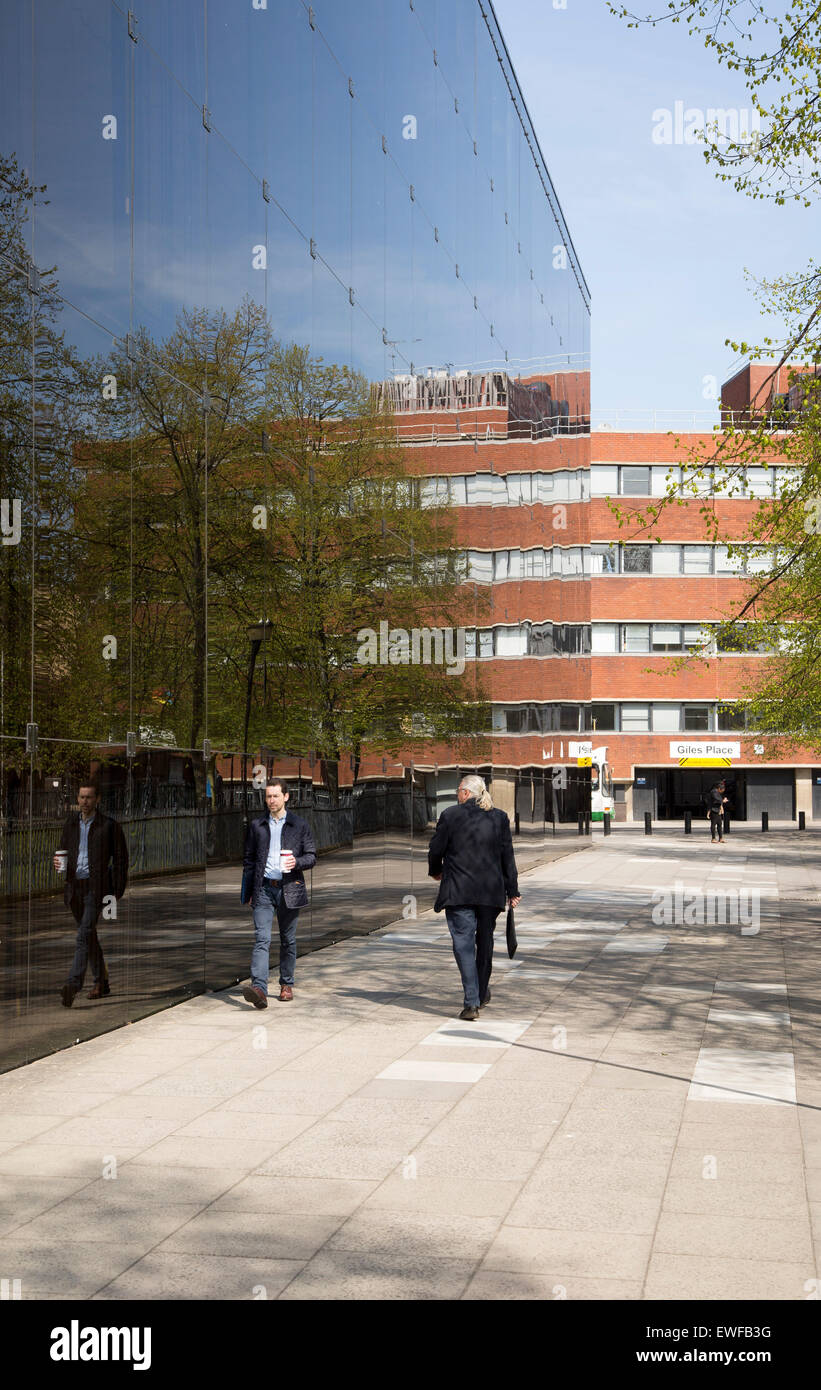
(273, 274)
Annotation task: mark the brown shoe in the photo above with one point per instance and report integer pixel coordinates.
(255, 996)
(286, 993)
(100, 990)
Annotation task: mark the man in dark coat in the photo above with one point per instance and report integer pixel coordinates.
(471, 853)
(716, 801)
(93, 854)
(278, 847)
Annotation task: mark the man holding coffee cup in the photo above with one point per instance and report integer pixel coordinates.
(278, 847)
(94, 858)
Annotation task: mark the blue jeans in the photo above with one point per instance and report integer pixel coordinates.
(471, 930)
(271, 901)
(87, 948)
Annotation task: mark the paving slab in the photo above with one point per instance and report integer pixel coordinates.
(636, 1115)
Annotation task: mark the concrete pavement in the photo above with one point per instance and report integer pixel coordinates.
(637, 1115)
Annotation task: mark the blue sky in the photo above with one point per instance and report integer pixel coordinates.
(663, 243)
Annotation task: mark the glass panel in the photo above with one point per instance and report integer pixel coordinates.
(732, 717)
(636, 637)
(698, 559)
(84, 148)
(695, 636)
(16, 853)
(727, 562)
(636, 559)
(759, 560)
(666, 559)
(604, 559)
(177, 33)
(666, 719)
(83, 555)
(170, 241)
(511, 641)
(603, 717)
(604, 480)
(663, 478)
(666, 637)
(759, 482)
(17, 125)
(696, 718)
(605, 637)
(635, 719)
(635, 482)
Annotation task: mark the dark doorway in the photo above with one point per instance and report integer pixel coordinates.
(667, 792)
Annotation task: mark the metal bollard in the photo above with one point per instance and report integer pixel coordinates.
(581, 822)
(688, 822)
(606, 823)
(648, 822)
(802, 820)
(765, 820)
(726, 824)
(516, 823)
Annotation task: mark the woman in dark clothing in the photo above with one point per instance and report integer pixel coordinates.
(471, 854)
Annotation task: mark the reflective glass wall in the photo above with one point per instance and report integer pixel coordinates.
(263, 267)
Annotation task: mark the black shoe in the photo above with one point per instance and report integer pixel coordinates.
(486, 999)
(67, 994)
(101, 989)
(469, 1015)
(254, 996)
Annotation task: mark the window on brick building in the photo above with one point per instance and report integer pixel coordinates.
(533, 564)
(664, 477)
(636, 637)
(603, 717)
(604, 479)
(698, 559)
(666, 637)
(729, 560)
(635, 481)
(605, 637)
(635, 719)
(540, 640)
(545, 487)
(569, 719)
(635, 559)
(604, 559)
(666, 719)
(696, 718)
(666, 559)
(732, 717)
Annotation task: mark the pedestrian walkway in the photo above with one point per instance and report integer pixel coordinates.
(636, 1115)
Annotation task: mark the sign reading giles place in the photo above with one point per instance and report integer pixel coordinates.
(704, 754)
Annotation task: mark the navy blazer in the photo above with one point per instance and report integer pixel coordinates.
(473, 851)
(297, 837)
(107, 856)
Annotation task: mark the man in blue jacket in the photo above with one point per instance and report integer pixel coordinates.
(278, 847)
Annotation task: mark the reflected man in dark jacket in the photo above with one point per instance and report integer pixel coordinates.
(471, 853)
(278, 847)
(93, 855)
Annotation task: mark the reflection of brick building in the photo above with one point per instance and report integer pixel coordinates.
(511, 456)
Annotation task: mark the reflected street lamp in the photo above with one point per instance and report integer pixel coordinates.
(257, 633)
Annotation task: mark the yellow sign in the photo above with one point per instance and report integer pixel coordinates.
(584, 762)
(705, 762)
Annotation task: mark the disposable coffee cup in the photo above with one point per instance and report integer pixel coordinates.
(286, 854)
(62, 860)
